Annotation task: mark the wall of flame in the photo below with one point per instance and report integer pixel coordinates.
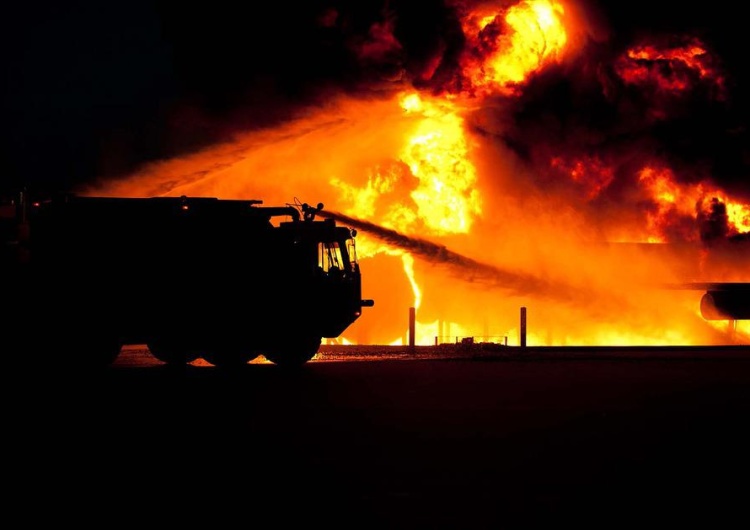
(521, 169)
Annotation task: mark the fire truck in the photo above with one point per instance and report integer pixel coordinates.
(221, 280)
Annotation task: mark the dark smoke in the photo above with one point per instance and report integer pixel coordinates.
(714, 224)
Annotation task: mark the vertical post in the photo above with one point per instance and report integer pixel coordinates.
(412, 325)
(523, 327)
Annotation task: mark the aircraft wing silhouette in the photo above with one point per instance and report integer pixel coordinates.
(721, 300)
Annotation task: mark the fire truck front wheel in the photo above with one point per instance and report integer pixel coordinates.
(172, 352)
(293, 353)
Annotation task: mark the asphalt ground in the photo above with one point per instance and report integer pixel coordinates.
(474, 439)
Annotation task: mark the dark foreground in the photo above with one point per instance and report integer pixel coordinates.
(476, 442)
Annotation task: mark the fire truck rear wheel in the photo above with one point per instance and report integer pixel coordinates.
(99, 352)
(74, 350)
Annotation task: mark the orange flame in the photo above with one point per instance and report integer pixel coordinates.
(510, 44)
(591, 173)
(646, 63)
(410, 162)
(670, 69)
(696, 201)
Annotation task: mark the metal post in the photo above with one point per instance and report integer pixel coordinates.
(412, 325)
(523, 327)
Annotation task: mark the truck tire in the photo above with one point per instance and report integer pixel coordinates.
(98, 352)
(172, 352)
(293, 353)
(73, 352)
(60, 336)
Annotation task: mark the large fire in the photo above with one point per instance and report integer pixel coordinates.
(475, 200)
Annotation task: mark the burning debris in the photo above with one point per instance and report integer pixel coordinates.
(518, 139)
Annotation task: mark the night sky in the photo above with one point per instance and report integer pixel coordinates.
(94, 89)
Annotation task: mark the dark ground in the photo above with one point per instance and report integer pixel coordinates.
(498, 441)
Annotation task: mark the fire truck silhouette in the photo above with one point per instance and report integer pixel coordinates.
(191, 277)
